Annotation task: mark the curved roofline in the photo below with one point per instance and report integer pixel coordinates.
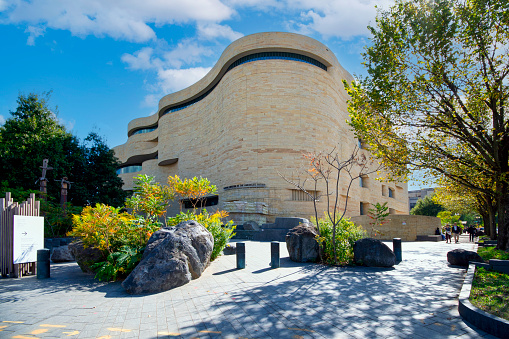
(254, 43)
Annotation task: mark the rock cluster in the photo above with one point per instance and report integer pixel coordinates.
(373, 252)
(85, 257)
(301, 243)
(62, 254)
(173, 256)
(461, 257)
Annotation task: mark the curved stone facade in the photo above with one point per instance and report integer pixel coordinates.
(271, 98)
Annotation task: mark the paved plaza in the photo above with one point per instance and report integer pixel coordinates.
(415, 299)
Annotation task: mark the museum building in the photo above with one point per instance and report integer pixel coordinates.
(270, 99)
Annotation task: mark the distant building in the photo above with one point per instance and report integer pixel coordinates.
(415, 195)
(270, 99)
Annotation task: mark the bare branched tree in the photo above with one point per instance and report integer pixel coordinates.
(329, 168)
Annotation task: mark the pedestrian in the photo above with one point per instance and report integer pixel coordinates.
(456, 232)
(471, 233)
(447, 233)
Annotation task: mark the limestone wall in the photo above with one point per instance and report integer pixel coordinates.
(406, 227)
(258, 121)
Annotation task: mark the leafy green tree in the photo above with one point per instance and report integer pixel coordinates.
(427, 206)
(98, 182)
(436, 93)
(32, 134)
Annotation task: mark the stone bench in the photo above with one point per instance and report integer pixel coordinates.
(429, 238)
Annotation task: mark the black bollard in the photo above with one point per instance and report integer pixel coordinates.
(396, 245)
(241, 255)
(274, 254)
(43, 263)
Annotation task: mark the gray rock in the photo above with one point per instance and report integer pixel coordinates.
(251, 226)
(374, 253)
(301, 243)
(461, 257)
(173, 256)
(229, 250)
(62, 254)
(86, 257)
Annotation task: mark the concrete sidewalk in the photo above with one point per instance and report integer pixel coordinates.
(415, 299)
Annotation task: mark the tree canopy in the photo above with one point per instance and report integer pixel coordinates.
(33, 133)
(436, 93)
(427, 206)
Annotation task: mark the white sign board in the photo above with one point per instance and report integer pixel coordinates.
(28, 237)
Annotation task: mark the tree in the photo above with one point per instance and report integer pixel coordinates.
(436, 93)
(99, 182)
(33, 133)
(458, 199)
(378, 213)
(427, 206)
(329, 168)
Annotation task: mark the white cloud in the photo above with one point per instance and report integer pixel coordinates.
(337, 18)
(141, 60)
(34, 32)
(259, 4)
(119, 19)
(186, 52)
(212, 31)
(2, 119)
(150, 100)
(172, 80)
(3, 5)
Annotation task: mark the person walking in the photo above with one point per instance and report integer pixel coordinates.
(456, 232)
(471, 233)
(447, 233)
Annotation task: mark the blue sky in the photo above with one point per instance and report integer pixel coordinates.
(110, 61)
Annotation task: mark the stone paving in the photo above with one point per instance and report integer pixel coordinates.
(415, 299)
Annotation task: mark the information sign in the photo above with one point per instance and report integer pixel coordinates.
(28, 237)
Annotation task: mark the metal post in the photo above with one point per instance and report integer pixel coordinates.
(241, 255)
(396, 245)
(274, 254)
(43, 263)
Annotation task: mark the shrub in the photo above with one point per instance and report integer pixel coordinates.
(57, 220)
(222, 233)
(347, 233)
(120, 236)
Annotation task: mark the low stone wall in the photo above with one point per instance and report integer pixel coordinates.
(406, 227)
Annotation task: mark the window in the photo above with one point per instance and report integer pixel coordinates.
(298, 195)
(144, 130)
(129, 169)
(391, 193)
(361, 208)
(359, 143)
(203, 202)
(363, 181)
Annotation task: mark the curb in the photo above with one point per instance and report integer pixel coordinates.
(487, 322)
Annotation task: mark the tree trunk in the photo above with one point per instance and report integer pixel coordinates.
(486, 222)
(492, 222)
(503, 218)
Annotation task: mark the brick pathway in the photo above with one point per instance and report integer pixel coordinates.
(416, 299)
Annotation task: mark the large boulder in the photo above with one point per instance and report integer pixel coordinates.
(373, 252)
(62, 254)
(173, 256)
(301, 243)
(461, 257)
(86, 256)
